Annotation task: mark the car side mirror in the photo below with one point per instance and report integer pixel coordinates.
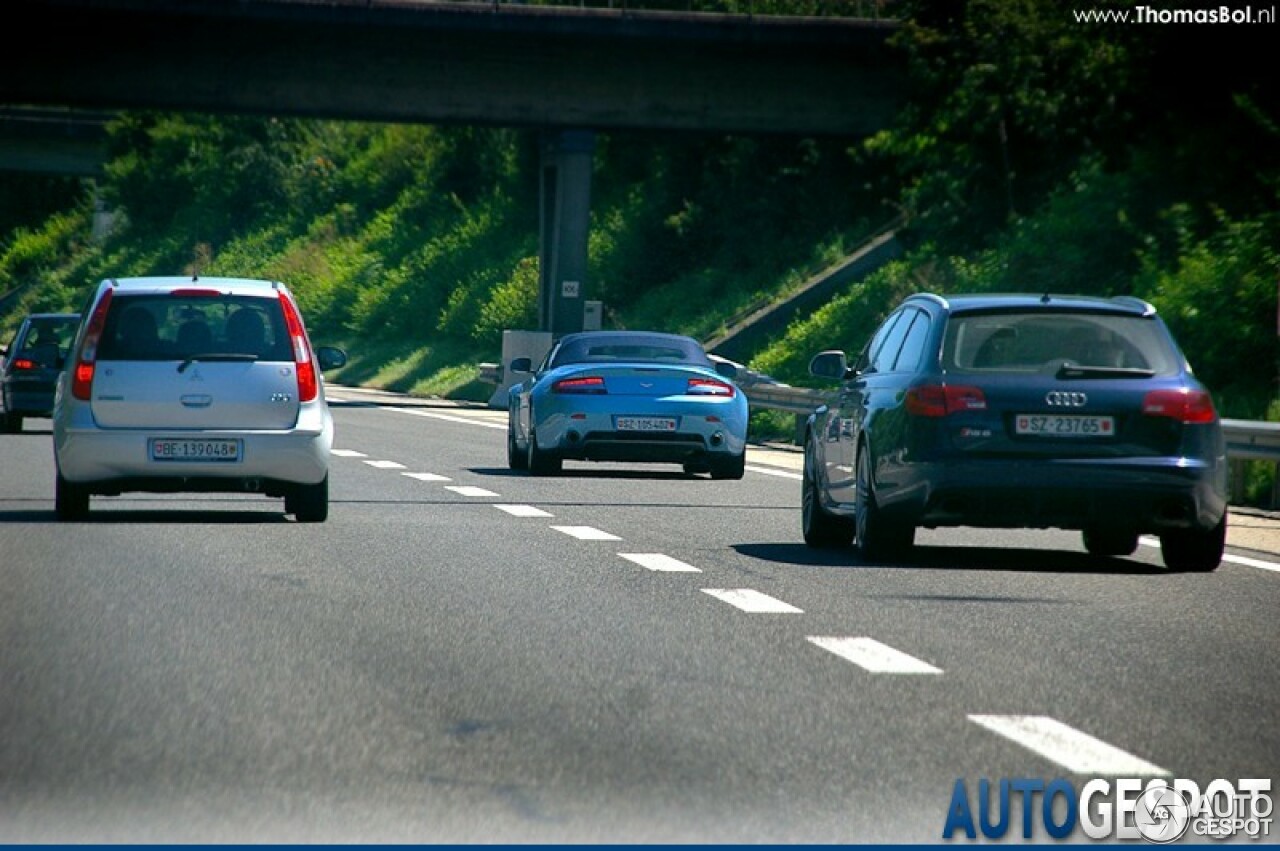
(521, 365)
(330, 357)
(830, 364)
(727, 370)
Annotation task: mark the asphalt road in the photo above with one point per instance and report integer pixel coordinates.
(429, 666)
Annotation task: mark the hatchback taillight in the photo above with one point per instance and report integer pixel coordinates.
(82, 374)
(303, 364)
(1185, 405)
(23, 364)
(591, 384)
(939, 400)
(709, 387)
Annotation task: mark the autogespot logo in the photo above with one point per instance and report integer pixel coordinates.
(1158, 810)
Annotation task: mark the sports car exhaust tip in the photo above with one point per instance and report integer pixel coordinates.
(717, 438)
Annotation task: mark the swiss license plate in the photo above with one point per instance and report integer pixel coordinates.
(644, 423)
(190, 449)
(1064, 425)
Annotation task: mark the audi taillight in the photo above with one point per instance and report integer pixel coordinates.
(939, 400)
(709, 387)
(592, 384)
(1185, 405)
(87, 358)
(303, 364)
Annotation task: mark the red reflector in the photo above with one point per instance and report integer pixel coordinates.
(938, 400)
(24, 363)
(1188, 406)
(586, 384)
(577, 416)
(709, 387)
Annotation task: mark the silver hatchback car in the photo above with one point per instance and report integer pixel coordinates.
(179, 384)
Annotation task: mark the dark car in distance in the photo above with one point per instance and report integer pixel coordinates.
(31, 364)
(1018, 411)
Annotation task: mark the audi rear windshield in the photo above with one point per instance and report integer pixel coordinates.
(1039, 341)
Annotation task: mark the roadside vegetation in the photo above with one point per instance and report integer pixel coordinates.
(1036, 154)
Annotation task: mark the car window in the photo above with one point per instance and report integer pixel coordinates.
(1028, 342)
(882, 360)
(57, 332)
(912, 351)
(166, 327)
(876, 342)
(606, 348)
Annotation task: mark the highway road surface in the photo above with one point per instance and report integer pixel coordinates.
(464, 654)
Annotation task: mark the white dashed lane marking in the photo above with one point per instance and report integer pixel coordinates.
(586, 533)
(774, 471)
(386, 465)
(347, 453)
(660, 562)
(871, 655)
(469, 490)
(752, 601)
(428, 477)
(1068, 747)
(523, 511)
(449, 418)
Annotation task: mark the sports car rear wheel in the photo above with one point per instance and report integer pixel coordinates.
(733, 467)
(540, 462)
(516, 459)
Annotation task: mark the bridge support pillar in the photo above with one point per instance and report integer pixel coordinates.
(564, 225)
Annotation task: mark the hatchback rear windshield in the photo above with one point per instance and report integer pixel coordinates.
(1031, 342)
(172, 327)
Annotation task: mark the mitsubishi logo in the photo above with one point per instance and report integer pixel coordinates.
(1065, 399)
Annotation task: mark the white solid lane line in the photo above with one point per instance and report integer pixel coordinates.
(428, 477)
(1245, 560)
(774, 471)
(660, 562)
(386, 465)
(523, 511)
(1068, 747)
(871, 655)
(449, 418)
(586, 533)
(752, 601)
(347, 453)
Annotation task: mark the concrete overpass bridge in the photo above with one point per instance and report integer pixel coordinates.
(568, 71)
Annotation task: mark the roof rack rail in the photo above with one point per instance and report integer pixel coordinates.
(1133, 301)
(946, 305)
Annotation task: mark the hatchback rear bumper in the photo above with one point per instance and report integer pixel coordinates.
(1143, 495)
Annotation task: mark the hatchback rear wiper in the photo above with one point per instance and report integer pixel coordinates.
(217, 357)
(1071, 370)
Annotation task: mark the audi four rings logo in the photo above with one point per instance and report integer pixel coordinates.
(1065, 399)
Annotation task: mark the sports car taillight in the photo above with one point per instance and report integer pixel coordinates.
(87, 357)
(593, 384)
(939, 400)
(303, 364)
(709, 387)
(1186, 405)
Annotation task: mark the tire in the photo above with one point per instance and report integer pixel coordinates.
(309, 503)
(1110, 542)
(819, 526)
(70, 501)
(541, 463)
(516, 460)
(1194, 550)
(878, 536)
(13, 423)
(733, 467)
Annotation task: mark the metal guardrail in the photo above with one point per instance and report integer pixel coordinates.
(1251, 440)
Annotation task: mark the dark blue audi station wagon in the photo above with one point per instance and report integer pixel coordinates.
(1018, 411)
